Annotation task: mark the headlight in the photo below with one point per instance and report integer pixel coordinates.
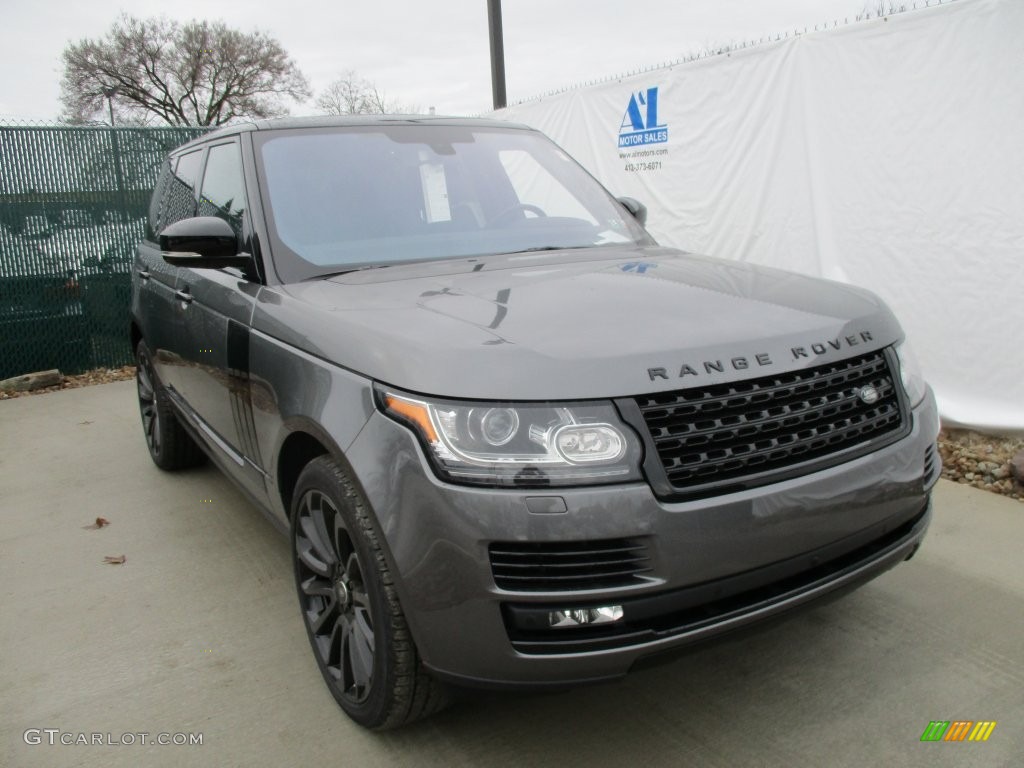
(910, 374)
(520, 444)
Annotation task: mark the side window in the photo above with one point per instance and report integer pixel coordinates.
(223, 190)
(155, 221)
(179, 197)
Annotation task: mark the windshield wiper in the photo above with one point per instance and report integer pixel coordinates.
(537, 248)
(363, 268)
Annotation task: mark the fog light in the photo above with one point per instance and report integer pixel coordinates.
(584, 617)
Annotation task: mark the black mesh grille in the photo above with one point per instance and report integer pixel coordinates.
(566, 566)
(753, 431)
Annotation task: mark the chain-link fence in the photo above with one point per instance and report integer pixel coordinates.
(73, 206)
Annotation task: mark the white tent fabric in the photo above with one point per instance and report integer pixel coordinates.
(887, 153)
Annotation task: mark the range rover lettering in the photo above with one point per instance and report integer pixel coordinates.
(513, 441)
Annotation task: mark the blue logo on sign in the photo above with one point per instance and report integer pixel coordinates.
(640, 123)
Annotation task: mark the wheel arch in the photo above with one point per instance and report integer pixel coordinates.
(297, 450)
(135, 335)
(304, 442)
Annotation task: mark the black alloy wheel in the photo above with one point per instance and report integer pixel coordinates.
(333, 594)
(170, 446)
(349, 605)
(147, 405)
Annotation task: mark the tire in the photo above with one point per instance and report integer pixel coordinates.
(170, 446)
(350, 607)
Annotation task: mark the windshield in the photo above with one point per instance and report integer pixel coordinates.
(352, 197)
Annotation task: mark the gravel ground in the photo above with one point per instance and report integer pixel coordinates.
(87, 379)
(982, 461)
(970, 458)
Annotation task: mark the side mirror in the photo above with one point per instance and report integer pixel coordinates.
(635, 207)
(204, 242)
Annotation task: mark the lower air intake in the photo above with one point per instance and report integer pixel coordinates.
(568, 566)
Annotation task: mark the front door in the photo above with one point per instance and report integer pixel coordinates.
(217, 307)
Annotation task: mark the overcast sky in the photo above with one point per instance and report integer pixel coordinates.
(423, 52)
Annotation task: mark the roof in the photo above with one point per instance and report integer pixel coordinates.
(349, 121)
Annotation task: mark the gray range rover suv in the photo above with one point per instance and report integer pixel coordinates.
(514, 442)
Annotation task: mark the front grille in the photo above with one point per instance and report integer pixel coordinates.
(750, 433)
(568, 566)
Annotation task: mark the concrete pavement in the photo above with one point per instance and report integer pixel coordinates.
(199, 632)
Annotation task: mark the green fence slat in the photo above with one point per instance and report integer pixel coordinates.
(73, 206)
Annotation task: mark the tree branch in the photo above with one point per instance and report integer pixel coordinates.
(199, 73)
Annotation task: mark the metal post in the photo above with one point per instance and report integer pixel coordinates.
(109, 93)
(115, 145)
(497, 54)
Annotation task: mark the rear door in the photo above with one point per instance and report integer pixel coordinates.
(156, 280)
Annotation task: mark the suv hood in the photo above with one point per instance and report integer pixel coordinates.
(593, 323)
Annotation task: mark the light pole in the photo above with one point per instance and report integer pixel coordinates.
(109, 93)
(497, 53)
(115, 145)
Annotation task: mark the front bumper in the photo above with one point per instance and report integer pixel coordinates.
(704, 567)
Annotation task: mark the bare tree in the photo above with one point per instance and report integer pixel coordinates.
(198, 73)
(345, 96)
(354, 95)
(882, 8)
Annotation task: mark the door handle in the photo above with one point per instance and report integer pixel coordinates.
(143, 274)
(184, 295)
